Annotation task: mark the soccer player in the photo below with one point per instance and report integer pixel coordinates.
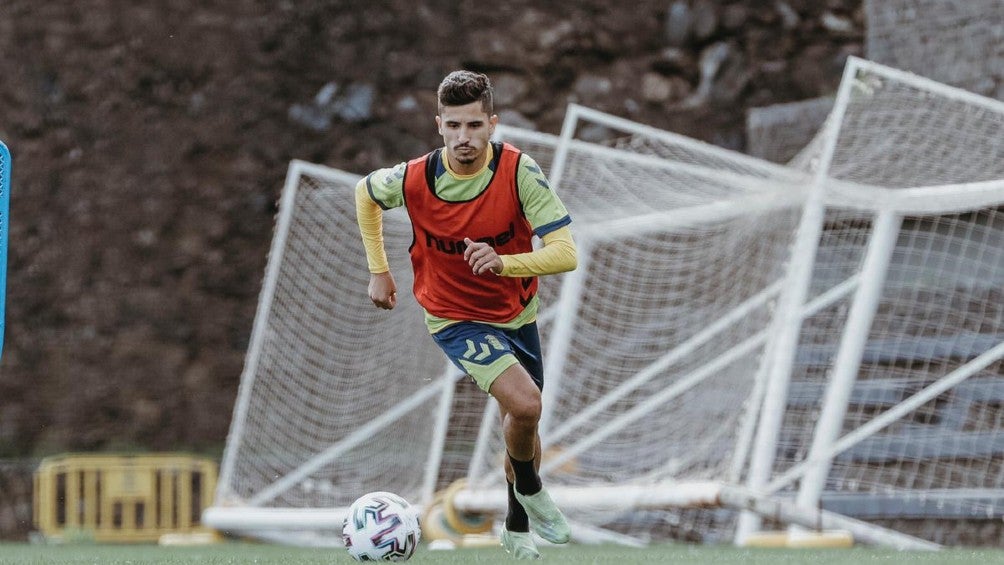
(474, 206)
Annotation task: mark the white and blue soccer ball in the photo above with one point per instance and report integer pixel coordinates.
(381, 526)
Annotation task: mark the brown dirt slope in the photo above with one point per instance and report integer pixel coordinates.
(150, 141)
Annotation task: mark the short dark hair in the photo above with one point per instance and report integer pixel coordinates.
(463, 87)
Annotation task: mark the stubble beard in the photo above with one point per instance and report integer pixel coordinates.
(466, 158)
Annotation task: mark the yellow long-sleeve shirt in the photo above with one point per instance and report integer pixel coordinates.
(557, 255)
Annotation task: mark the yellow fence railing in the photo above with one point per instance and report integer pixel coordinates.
(122, 498)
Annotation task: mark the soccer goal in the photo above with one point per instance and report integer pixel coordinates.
(744, 345)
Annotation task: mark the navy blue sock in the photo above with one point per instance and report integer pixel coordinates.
(516, 520)
(527, 479)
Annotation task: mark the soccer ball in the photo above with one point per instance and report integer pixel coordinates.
(381, 526)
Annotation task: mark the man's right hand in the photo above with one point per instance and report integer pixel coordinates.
(383, 290)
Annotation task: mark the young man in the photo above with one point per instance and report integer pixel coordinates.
(475, 206)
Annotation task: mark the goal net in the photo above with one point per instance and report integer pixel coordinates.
(779, 132)
(740, 338)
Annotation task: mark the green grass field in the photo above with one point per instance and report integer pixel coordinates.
(243, 553)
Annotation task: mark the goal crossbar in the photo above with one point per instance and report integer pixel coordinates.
(703, 214)
(703, 494)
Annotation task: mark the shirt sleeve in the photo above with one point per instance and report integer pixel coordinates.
(380, 190)
(369, 215)
(386, 186)
(541, 206)
(557, 255)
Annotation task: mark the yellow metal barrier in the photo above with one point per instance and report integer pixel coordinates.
(122, 498)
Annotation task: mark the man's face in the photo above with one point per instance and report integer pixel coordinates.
(466, 130)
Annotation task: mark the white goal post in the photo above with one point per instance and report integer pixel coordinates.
(819, 343)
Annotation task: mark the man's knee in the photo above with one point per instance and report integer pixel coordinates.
(526, 409)
(518, 396)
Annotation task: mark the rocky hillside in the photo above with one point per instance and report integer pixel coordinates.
(150, 141)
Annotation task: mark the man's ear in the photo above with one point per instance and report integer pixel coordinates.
(439, 124)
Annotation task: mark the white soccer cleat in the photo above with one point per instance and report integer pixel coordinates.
(545, 519)
(519, 544)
